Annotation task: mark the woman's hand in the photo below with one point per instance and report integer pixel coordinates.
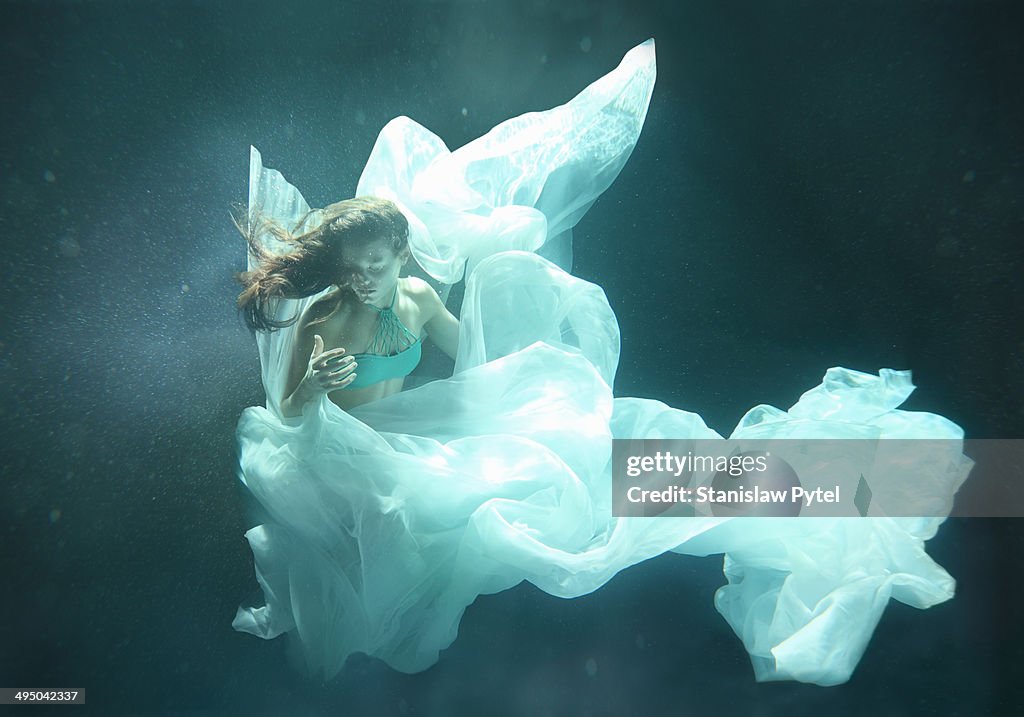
(327, 370)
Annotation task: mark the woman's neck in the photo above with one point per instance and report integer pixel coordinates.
(389, 304)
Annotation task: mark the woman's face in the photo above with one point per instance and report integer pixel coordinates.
(372, 270)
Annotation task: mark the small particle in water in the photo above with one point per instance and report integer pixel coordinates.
(586, 43)
(948, 246)
(49, 176)
(641, 643)
(969, 175)
(544, 59)
(464, 112)
(185, 288)
(68, 247)
(591, 667)
(360, 117)
(54, 515)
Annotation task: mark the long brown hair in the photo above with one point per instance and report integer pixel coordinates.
(311, 261)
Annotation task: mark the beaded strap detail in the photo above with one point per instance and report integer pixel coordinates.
(391, 336)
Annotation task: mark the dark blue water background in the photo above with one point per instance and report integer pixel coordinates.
(817, 184)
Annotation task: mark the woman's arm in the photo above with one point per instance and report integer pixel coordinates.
(295, 393)
(441, 325)
(314, 371)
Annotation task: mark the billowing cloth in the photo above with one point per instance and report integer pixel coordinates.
(387, 521)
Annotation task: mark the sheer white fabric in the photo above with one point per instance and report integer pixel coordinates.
(386, 522)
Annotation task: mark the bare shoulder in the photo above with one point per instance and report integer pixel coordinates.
(415, 285)
(324, 306)
(324, 316)
(422, 293)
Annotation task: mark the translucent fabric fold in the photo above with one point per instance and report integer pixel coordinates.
(386, 522)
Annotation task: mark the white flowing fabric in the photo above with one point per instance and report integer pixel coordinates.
(386, 522)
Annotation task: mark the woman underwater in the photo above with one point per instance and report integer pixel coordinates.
(390, 511)
(361, 248)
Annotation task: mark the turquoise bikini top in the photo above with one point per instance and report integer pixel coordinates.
(393, 351)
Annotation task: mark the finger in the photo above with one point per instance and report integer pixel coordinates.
(343, 371)
(341, 383)
(321, 360)
(332, 372)
(318, 346)
(330, 359)
(333, 354)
